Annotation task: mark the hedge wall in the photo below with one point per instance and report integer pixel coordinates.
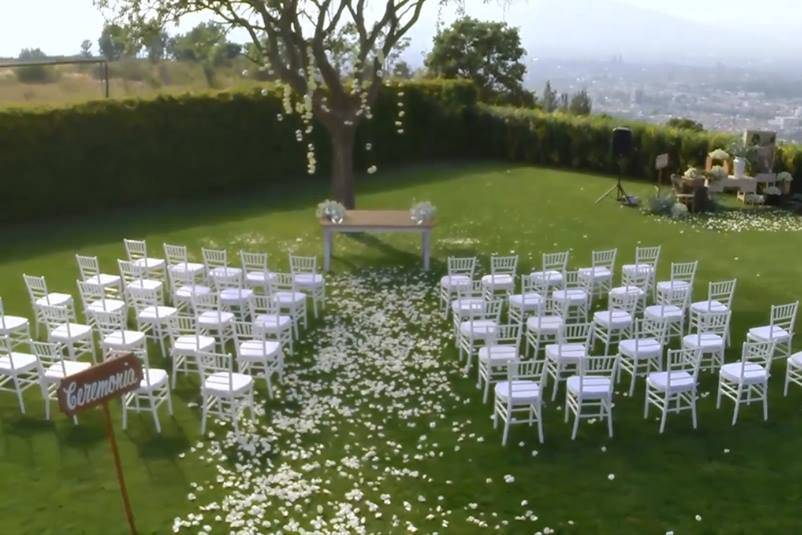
(80, 158)
(583, 142)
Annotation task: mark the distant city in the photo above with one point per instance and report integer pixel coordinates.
(722, 98)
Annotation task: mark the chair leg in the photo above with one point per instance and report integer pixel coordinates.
(576, 421)
(204, 410)
(169, 400)
(506, 430)
(663, 416)
(125, 414)
(646, 402)
(765, 404)
(539, 423)
(609, 419)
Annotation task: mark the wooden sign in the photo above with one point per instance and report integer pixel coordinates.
(100, 383)
(661, 162)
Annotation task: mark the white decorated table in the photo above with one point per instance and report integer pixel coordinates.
(375, 221)
(747, 184)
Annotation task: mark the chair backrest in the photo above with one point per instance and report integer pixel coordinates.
(130, 272)
(523, 370)
(181, 325)
(491, 309)
(604, 258)
(624, 301)
(3, 316)
(135, 249)
(261, 304)
(682, 360)
(684, 271)
(508, 334)
(760, 353)
(283, 281)
(37, 286)
(647, 255)
(175, 254)
(214, 258)
(679, 297)
(784, 316)
(303, 264)
(254, 262)
(210, 363)
(556, 261)
(597, 366)
(55, 316)
(714, 323)
(722, 291)
(91, 293)
(574, 281)
(577, 333)
(109, 322)
(88, 266)
(646, 328)
(181, 277)
(142, 298)
(639, 278)
(503, 265)
(48, 354)
(205, 303)
(462, 265)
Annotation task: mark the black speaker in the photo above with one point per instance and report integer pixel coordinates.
(622, 142)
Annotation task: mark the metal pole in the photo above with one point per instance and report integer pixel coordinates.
(113, 443)
(106, 76)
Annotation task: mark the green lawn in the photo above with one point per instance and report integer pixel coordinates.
(58, 478)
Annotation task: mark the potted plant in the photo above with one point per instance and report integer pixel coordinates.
(716, 173)
(744, 156)
(785, 179)
(331, 210)
(422, 212)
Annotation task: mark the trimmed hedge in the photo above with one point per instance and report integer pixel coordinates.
(106, 153)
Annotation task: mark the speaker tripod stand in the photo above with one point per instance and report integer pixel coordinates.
(620, 193)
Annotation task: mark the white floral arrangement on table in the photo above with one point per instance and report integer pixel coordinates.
(784, 176)
(679, 211)
(422, 212)
(720, 155)
(693, 172)
(717, 172)
(331, 210)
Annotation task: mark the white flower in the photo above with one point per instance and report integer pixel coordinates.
(332, 210)
(422, 212)
(508, 478)
(784, 176)
(698, 518)
(717, 172)
(679, 210)
(372, 169)
(719, 154)
(610, 476)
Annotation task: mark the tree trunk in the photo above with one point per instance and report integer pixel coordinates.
(342, 169)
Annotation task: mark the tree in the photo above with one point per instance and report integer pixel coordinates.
(402, 70)
(35, 74)
(154, 39)
(549, 99)
(581, 103)
(294, 39)
(685, 124)
(116, 41)
(200, 43)
(489, 53)
(86, 48)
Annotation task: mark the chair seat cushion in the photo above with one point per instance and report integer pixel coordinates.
(478, 328)
(593, 387)
(617, 319)
(703, 341)
(12, 323)
(629, 289)
(643, 348)
(22, 362)
(219, 383)
(153, 379)
(212, 318)
(187, 268)
(753, 373)
(289, 298)
(768, 333)
(256, 350)
(594, 273)
(106, 305)
(547, 278)
(145, 284)
(637, 269)
(225, 272)
(523, 392)
(455, 282)
(60, 370)
(681, 381)
(190, 343)
(570, 353)
(190, 291)
(103, 279)
(149, 263)
(663, 312)
(499, 280)
(76, 330)
(272, 322)
(124, 339)
(498, 353)
(545, 324)
(259, 277)
(573, 296)
(231, 296)
(527, 301)
(153, 312)
(709, 306)
(467, 306)
(795, 360)
(308, 280)
(55, 299)
(667, 286)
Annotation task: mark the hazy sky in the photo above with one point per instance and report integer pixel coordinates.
(59, 26)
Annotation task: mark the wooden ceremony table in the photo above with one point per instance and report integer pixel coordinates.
(375, 221)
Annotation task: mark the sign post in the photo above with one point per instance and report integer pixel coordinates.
(96, 386)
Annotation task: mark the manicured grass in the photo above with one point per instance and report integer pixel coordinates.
(59, 478)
